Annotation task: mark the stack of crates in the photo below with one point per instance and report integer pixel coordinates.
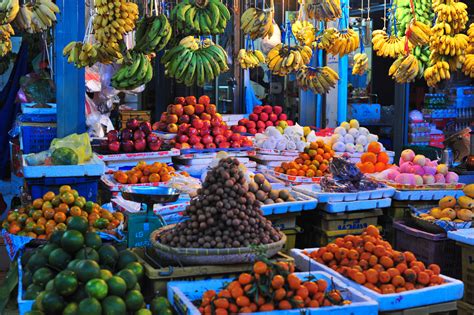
(140, 115)
(466, 306)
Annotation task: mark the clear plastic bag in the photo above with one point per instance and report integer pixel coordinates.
(79, 143)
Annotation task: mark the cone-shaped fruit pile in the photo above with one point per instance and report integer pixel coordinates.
(224, 214)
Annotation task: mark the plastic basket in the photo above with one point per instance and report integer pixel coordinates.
(86, 186)
(35, 139)
(429, 248)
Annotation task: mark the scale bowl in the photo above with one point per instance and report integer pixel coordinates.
(150, 195)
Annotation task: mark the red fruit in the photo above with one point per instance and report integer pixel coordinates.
(267, 109)
(145, 126)
(154, 145)
(194, 139)
(263, 116)
(228, 133)
(246, 142)
(192, 131)
(162, 126)
(203, 132)
(177, 109)
(133, 124)
(217, 131)
(240, 129)
(261, 124)
(219, 139)
(191, 100)
(253, 117)
(114, 146)
(207, 139)
(138, 134)
(104, 145)
(112, 135)
(189, 110)
(204, 99)
(126, 134)
(183, 139)
(173, 128)
(211, 146)
(258, 109)
(268, 123)
(140, 145)
(178, 146)
(261, 130)
(199, 109)
(172, 119)
(243, 122)
(205, 116)
(197, 123)
(155, 126)
(224, 145)
(252, 131)
(290, 122)
(215, 122)
(251, 124)
(235, 137)
(180, 100)
(282, 117)
(163, 117)
(183, 128)
(184, 119)
(152, 137)
(206, 124)
(127, 146)
(185, 146)
(273, 117)
(235, 145)
(277, 110)
(198, 146)
(211, 109)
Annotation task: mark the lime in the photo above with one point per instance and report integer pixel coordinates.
(65, 283)
(134, 300)
(97, 288)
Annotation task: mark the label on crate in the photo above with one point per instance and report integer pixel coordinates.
(352, 225)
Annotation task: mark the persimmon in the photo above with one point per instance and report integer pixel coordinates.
(233, 308)
(260, 300)
(379, 251)
(221, 311)
(245, 278)
(260, 267)
(328, 256)
(266, 307)
(303, 292)
(423, 278)
(312, 287)
(353, 254)
(359, 277)
(322, 285)
(400, 290)
(435, 268)
(284, 305)
(410, 275)
(398, 281)
(298, 301)
(278, 282)
(384, 277)
(253, 307)
(293, 281)
(313, 304)
(372, 276)
(245, 310)
(393, 272)
(402, 267)
(388, 289)
(383, 157)
(409, 257)
(221, 303)
(242, 301)
(379, 167)
(386, 261)
(369, 246)
(236, 292)
(224, 294)
(373, 260)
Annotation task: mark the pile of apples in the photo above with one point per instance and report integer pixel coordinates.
(261, 118)
(135, 137)
(198, 125)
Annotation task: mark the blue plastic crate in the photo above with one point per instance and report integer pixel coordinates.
(86, 186)
(35, 139)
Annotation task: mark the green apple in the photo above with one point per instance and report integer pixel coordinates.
(283, 124)
(280, 129)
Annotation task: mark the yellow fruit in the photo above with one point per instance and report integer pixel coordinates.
(464, 214)
(466, 202)
(428, 218)
(435, 213)
(445, 219)
(469, 190)
(449, 213)
(447, 202)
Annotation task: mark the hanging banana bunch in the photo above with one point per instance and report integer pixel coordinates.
(361, 64)
(453, 12)
(404, 69)
(326, 40)
(249, 59)
(86, 54)
(283, 59)
(36, 18)
(345, 42)
(257, 23)
(200, 17)
(319, 80)
(8, 10)
(153, 34)
(437, 72)
(304, 32)
(324, 10)
(468, 64)
(418, 33)
(6, 31)
(387, 46)
(135, 72)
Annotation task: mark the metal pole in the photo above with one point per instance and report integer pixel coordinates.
(343, 75)
(70, 82)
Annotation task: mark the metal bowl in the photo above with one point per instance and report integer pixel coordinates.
(150, 195)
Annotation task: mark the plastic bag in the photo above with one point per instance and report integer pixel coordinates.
(185, 184)
(79, 143)
(269, 42)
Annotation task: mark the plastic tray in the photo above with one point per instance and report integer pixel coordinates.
(277, 152)
(86, 186)
(463, 236)
(415, 195)
(294, 179)
(314, 190)
(194, 151)
(181, 295)
(302, 203)
(204, 161)
(27, 108)
(138, 156)
(355, 157)
(201, 155)
(422, 188)
(356, 205)
(94, 167)
(129, 206)
(450, 291)
(113, 185)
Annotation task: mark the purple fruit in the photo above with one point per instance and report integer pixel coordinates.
(138, 134)
(152, 137)
(140, 145)
(133, 124)
(154, 145)
(127, 134)
(112, 135)
(104, 145)
(145, 127)
(114, 146)
(127, 146)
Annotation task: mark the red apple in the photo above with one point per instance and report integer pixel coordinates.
(140, 145)
(154, 145)
(152, 137)
(183, 139)
(155, 126)
(204, 99)
(192, 131)
(267, 109)
(273, 117)
(207, 139)
(211, 146)
(290, 122)
(246, 142)
(203, 132)
(199, 109)
(235, 145)
(180, 100)
(189, 110)
(217, 131)
(228, 133)
(126, 134)
(263, 116)
(112, 135)
(241, 129)
(277, 110)
(190, 100)
(163, 117)
(268, 123)
(138, 134)
(234, 128)
(205, 116)
(173, 128)
(172, 119)
(169, 108)
(198, 146)
(193, 117)
(253, 117)
(194, 139)
(206, 124)
(252, 131)
(178, 146)
(235, 137)
(243, 122)
(177, 109)
(162, 126)
(145, 126)
(197, 123)
(127, 146)
(133, 124)
(114, 146)
(219, 139)
(224, 145)
(210, 109)
(260, 124)
(215, 122)
(250, 124)
(183, 128)
(258, 109)
(184, 119)
(261, 130)
(282, 117)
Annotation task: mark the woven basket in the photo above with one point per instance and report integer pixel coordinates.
(209, 256)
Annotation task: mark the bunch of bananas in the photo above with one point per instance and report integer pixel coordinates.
(283, 59)
(468, 66)
(114, 19)
(422, 54)
(345, 42)
(319, 80)
(200, 17)
(437, 72)
(153, 34)
(327, 39)
(6, 31)
(470, 33)
(403, 14)
(450, 45)
(361, 64)
(453, 12)
(8, 10)
(418, 33)
(249, 59)
(37, 18)
(323, 10)
(304, 32)
(5, 62)
(133, 73)
(86, 54)
(257, 23)
(404, 69)
(387, 46)
(193, 62)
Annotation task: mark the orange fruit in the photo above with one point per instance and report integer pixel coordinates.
(374, 147)
(59, 217)
(48, 196)
(383, 157)
(368, 157)
(154, 178)
(260, 267)
(379, 167)
(367, 168)
(75, 211)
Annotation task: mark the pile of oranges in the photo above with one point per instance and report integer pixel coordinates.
(374, 160)
(271, 286)
(313, 162)
(372, 262)
(146, 173)
(53, 212)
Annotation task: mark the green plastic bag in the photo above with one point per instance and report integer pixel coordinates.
(81, 144)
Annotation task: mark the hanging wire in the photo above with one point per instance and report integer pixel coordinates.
(384, 15)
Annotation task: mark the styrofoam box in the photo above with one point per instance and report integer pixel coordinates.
(314, 190)
(94, 167)
(302, 203)
(181, 295)
(416, 195)
(465, 236)
(357, 205)
(27, 108)
(450, 291)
